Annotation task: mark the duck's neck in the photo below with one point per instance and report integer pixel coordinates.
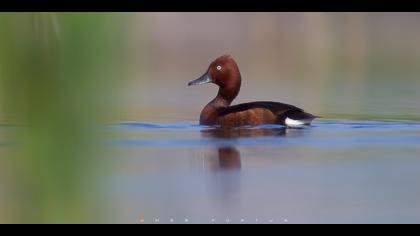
(228, 93)
(224, 98)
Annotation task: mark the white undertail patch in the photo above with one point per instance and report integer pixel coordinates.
(297, 123)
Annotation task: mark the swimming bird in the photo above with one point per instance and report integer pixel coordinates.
(224, 72)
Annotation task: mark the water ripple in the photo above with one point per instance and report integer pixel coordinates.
(338, 134)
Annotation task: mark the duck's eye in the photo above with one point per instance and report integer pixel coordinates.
(218, 67)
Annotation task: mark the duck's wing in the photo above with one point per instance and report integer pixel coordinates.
(275, 107)
(281, 110)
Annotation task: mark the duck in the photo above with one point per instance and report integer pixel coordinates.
(224, 72)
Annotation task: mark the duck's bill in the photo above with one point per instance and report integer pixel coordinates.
(204, 79)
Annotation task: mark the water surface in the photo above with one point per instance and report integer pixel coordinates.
(332, 172)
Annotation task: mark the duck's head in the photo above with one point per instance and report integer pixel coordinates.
(223, 71)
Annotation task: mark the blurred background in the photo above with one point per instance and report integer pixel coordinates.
(339, 65)
(64, 74)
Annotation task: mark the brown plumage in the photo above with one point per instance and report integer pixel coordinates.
(225, 73)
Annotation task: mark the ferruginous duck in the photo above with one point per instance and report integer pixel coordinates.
(224, 72)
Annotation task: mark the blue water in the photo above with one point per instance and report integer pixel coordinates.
(340, 171)
(335, 172)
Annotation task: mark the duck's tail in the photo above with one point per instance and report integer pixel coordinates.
(296, 118)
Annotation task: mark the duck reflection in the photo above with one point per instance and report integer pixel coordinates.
(227, 156)
(224, 162)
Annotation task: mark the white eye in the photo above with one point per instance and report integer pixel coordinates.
(218, 67)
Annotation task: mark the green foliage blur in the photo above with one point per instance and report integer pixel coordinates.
(57, 81)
